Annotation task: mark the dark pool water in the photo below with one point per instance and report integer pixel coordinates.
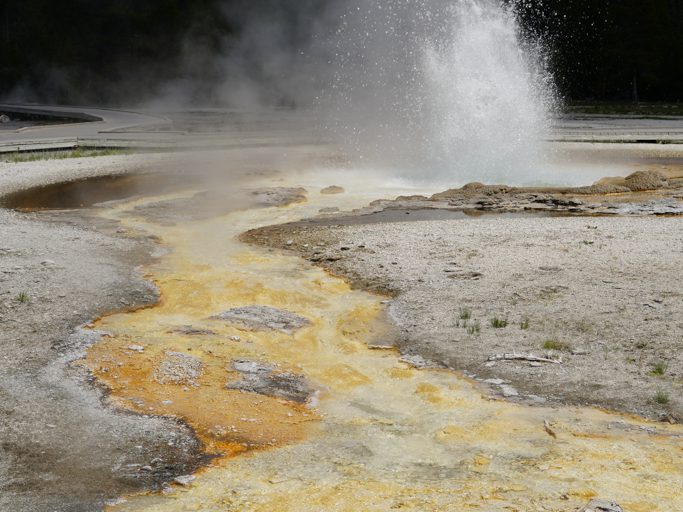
(88, 192)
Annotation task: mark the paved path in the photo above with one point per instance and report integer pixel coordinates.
(95, 125)
(604, 128)
(206, 128)
(224, 129)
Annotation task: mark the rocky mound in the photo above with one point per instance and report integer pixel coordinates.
(646, 180)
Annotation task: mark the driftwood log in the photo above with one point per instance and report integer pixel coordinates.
(522, 357)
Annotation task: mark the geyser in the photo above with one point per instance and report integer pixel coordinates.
(443, 91)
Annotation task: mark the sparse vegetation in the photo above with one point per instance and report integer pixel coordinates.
(583, 326)
(658, 370)
(474, 329)
(22, 297)
(661, 397)
(556, 345)
(524, 324)
(499, 323)
(34, 156)
(465, 314)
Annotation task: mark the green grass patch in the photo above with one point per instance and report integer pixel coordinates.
(35, 156)
(499, 323)
(556, 345)
(658, 370)
(661, 397)
(524, 324)
(22, 297)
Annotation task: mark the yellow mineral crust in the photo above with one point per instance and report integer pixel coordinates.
(378, 435)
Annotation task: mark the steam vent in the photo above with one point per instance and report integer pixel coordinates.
(341, 256)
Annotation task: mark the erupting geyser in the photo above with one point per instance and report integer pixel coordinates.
(490, 96)
(443, 90)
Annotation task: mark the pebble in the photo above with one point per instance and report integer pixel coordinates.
(602, 506)
(184, 479)
(136, 348)
(417, 361)
(509, 391)
(115, 501)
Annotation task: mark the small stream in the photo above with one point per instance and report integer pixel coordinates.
(378, 434)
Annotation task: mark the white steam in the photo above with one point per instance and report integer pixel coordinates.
(442, 90)
(433, 90)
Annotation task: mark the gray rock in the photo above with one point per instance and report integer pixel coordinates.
(264, 379)
(417, 361)
(509, 391)
(601, 506)
(251, 367)
(264, 318)
(279, 196)
(184, 479)
(334, 189)
(4, 118)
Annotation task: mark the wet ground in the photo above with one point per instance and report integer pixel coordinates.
(377, 430)
(88, 192)
(327, 416)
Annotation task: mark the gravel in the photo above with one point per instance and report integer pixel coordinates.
(62, 447)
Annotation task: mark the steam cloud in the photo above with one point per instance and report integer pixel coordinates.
(423, 86)
(427, 86)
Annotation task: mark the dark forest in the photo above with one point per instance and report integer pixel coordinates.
(110, 51)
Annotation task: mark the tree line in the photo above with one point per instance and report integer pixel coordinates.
(612, 50)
